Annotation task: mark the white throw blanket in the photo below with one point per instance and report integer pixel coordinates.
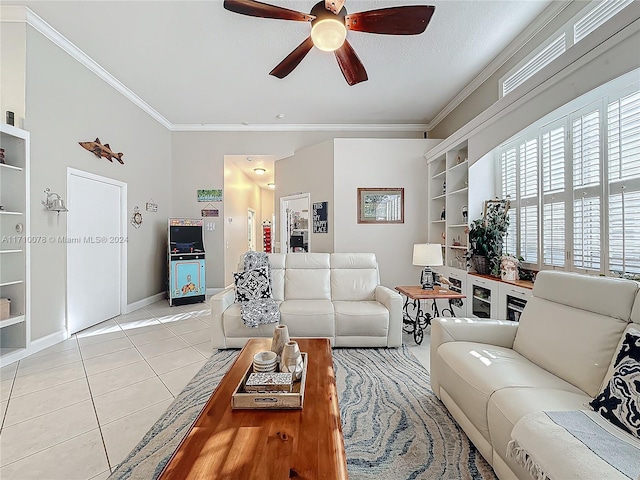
(578, 444)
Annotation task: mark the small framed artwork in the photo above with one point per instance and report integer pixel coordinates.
(212, 195)
(380, 205)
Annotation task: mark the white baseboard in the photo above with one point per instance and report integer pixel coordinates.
(213, 291)
(144, 302)
(48, 341)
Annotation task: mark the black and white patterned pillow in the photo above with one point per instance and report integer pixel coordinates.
(619, 402)
(252, 284)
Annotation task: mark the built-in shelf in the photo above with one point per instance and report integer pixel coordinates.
(459, 165)
(449, 171)
(10, 167)
(11, 321)
(482, 299)
(15, 338)
(5, 352)
(461, 190)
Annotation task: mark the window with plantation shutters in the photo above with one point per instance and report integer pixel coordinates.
(554, 197)
(587, 188)
(623, 173)
(550, 52)
(528, 201)
(596, 17)
(576, 180)
(509, 191)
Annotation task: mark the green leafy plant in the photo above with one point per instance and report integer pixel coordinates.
(486, 235)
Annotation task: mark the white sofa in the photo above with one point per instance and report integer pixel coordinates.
(336, 296)
(490, 374)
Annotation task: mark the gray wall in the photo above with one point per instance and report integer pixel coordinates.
(65, 104)
(310, 171)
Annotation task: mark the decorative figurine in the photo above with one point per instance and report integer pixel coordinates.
(443, 214)
(100, 150)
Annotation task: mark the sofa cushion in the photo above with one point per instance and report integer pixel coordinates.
(574, 344)
(307, 277)
(252, 284)
(361, 319)
(619, 402)
(235, 327)
(308, 318)
(354, 276)
(612, 297)
(509, 405)
(472, 372)
(276, 265)
(635, 311)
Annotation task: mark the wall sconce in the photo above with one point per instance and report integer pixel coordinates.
(53, 202)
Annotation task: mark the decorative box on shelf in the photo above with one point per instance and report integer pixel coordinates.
(247, 399)
(269, 382)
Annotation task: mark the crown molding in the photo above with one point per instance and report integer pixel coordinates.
(520, 41)
(301, 127)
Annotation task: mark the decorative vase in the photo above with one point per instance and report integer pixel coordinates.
(481, 264)
(291, 360)
(280, 338)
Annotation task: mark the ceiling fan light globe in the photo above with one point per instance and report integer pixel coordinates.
(328, 34)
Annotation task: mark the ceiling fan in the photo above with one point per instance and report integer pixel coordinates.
(330, 22)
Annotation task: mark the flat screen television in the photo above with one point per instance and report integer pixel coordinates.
(186, 239)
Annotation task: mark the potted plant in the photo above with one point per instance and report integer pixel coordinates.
(486, 237)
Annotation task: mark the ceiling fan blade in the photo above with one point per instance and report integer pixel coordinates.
(286, 66)
(407, 20)
(334, 5)
(264, 10)
(350, 64)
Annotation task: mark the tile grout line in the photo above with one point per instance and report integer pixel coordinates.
(13, 382)
(93, 404)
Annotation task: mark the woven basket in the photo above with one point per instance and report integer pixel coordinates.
(481, 264)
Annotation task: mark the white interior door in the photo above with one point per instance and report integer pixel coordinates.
(94, 250)
(251, 229)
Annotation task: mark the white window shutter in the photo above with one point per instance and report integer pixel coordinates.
(529, 233)
(508, 165)
(586, 233)
(586, 149)
(596, 17)
(624, 232)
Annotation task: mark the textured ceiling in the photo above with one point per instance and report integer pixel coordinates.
(196, 63)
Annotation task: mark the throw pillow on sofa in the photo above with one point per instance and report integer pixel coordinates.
(619, 402)
(252, 284)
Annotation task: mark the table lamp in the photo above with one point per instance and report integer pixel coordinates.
(427, 255)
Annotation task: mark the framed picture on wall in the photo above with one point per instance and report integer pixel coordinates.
(380, 205)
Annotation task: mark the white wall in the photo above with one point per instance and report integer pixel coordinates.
(240, 194)
(13, 45)
(65, 104)
(310, 171)
(382, 163)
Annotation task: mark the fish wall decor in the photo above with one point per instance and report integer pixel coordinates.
(100, 150)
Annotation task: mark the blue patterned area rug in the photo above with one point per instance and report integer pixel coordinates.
(394, 426)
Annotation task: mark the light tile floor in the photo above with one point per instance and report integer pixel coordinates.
(76, 409)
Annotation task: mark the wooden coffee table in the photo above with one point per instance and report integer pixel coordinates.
(267, 444)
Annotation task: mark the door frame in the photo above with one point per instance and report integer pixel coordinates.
(123, 226)
(284, 224)
(251, 213)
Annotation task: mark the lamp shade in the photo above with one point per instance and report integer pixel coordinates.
(427, 254)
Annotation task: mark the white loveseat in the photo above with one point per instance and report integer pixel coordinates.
(492, 374)
(336, 296)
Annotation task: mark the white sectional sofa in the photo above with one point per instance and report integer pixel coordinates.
(337, 296)
(493, 374)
